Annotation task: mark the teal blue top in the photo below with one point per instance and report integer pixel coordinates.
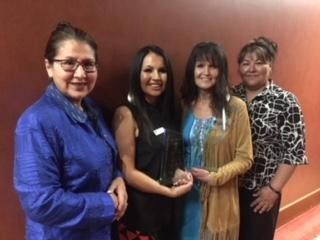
(195, 132)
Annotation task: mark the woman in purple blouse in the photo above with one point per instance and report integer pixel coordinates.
(65, 171)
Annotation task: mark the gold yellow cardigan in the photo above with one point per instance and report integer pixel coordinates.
(229, 150)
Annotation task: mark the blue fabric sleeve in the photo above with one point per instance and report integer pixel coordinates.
(117, 173)
(38, 177)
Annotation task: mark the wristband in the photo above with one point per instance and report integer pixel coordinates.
(274, 190)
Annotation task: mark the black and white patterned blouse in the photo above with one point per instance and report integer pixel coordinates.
(278, 133)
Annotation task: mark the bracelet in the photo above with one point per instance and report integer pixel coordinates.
(274, 190)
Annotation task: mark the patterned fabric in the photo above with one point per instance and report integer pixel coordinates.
(195, 133)
(126, 234)
(278, 133)
(64, 164)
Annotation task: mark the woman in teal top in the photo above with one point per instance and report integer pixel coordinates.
(217, 139)
(195, 131)
(204, 83)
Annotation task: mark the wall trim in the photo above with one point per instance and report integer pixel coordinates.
(297, 207)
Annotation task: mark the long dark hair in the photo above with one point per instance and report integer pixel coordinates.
(214, 54)
(166, 103)
(65, 31)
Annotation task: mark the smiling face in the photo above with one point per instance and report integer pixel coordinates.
(153, 77)
(205, 75)
(77, 84)
(254, 72)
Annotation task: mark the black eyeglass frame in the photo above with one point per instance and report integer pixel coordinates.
(77, 64)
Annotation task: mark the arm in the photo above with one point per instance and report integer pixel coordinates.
(38, 181)
(118, 190)
(243, 151)
(268, 195)
(293, 140)
(282, 176)
(125, 132)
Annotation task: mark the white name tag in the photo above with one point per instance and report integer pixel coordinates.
(159, 131)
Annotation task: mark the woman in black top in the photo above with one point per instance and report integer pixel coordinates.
(138, 127)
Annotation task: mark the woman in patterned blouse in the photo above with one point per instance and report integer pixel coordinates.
(278, 139)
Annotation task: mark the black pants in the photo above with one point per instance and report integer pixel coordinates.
(255, 226)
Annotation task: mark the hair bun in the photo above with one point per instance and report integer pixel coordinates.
(63, 25)
(268, 43)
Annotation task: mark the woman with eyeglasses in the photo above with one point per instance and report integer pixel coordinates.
(65, 161)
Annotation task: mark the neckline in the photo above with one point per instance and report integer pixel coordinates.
(202, 119)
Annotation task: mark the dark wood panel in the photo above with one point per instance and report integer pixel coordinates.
(121, 27)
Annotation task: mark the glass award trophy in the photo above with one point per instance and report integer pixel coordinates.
(172, 157)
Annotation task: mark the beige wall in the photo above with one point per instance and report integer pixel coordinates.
(123, 26)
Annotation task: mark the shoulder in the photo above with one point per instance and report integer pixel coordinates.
(237, 103)
(238, 109)
(42, 112)
(123, 112)
(123, 120)
(283, 95)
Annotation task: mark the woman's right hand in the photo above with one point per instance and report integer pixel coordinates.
(118, 190)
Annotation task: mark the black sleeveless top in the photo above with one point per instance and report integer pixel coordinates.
(146, 212)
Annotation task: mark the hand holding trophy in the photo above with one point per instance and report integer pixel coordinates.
(171, 171)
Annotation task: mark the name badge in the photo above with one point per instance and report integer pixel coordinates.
(159, 131)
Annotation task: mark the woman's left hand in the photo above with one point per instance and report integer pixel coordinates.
(119, 188)
(265, 200)
(201, 174)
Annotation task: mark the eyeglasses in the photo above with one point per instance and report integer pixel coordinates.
(71, 65)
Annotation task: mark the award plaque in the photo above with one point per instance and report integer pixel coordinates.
(172, 157)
